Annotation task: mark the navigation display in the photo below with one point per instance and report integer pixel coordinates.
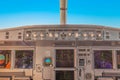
(103, 59)
(24, 59)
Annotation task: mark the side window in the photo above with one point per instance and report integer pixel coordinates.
(5, 59)
(24, 59)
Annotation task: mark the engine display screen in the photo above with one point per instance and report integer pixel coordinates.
(103, 59)
(65, 58)
(5, 59)
(24, 59)
(64, 75)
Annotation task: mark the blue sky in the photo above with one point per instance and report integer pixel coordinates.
(15, 13)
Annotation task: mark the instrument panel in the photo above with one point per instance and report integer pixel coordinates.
(57, 52)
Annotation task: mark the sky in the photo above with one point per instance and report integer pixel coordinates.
(16, 13)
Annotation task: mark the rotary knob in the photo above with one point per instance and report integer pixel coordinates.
(63, 35)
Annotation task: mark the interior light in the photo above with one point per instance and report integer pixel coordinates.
(50, 35)
(85, 35)
(99, 35)
(34, 34)
(41, 34)
(92, 35)
(27, 35)
(69, 34)
(76, 35)
(56, 35)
